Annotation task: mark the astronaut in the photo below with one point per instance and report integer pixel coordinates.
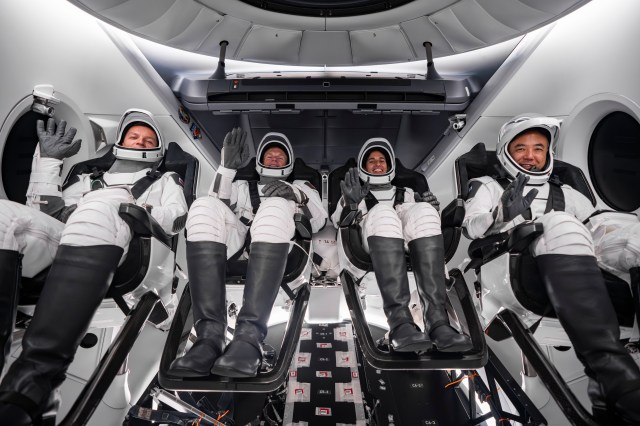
(217, 228)
(564, 253)
(393, 218)
(77, 230)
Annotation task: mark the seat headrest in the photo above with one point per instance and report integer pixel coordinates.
(480, 162)
(175, 160)
(300, 172)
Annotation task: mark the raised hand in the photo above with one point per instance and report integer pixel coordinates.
(513, 202)
(352, 190)
(57, 143)
(427, 197)
(234, 149)
(278, 188)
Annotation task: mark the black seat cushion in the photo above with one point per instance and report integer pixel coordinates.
(300, 172)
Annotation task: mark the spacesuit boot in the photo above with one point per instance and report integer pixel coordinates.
(10, 274)
(578, 295)
(427, 260)
(267, 262)
(387, 257)
(206, 262)
(77, 282)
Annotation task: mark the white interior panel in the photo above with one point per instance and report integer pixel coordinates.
(135, 14)
(420, 30)
(100, 5)
(270, 44)
(480, 23)
(173, 22)
(198, 30)
(514, 13)
(313, 48)
(552, 7)
(376, 46)
(231, 29)
(454, 32)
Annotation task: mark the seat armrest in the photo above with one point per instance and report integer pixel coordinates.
(349, 215)
(522, 236)
(143, 224)
(303, 226)
(453, 215)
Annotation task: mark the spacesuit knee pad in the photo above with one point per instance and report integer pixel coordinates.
(563, 234)
(382, 221)
(96, 222)
(206, 220)
(273, 222)
(421, 220)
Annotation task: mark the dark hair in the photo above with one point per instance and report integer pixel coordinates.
(276, 145)
(381, 150)
(139, 123)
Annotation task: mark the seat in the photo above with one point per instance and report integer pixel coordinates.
(294, 284)
(529, 298)
(137, 286)
(460, 306)
(150, 245)
(518, 308)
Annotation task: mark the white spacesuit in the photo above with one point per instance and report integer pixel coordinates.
(392, 219)
(76, 229)
(217, 228)
(565, 252)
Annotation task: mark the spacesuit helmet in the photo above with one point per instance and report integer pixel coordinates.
(270, 140)
(513, 128)
(382, 145)
(138, 117)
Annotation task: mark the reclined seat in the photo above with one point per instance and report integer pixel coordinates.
(146, 276)
(296, 292)
(460, 307)
(512, 295)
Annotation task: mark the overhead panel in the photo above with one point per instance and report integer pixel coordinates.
(454, 32)
(177, 18)
(134, 14)
(230, 29)
(397, 34)
(481, 24)
(313, 49)
(198, 30)
(515, 13)
(420, 30)
(264, 44)
(380, 46)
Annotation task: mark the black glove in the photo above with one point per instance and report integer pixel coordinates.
(57, 144)
(234, 149)
(427, 197)
(352, 190)
(512, 202)
(278, 188)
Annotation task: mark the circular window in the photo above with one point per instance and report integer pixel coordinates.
(614, 160)
(18, 155)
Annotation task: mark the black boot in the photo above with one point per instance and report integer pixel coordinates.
(77, 282)
(243, 356)
(427, 260)
(387, 257)
(578, 294)
(10, 272)
(206, 262)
